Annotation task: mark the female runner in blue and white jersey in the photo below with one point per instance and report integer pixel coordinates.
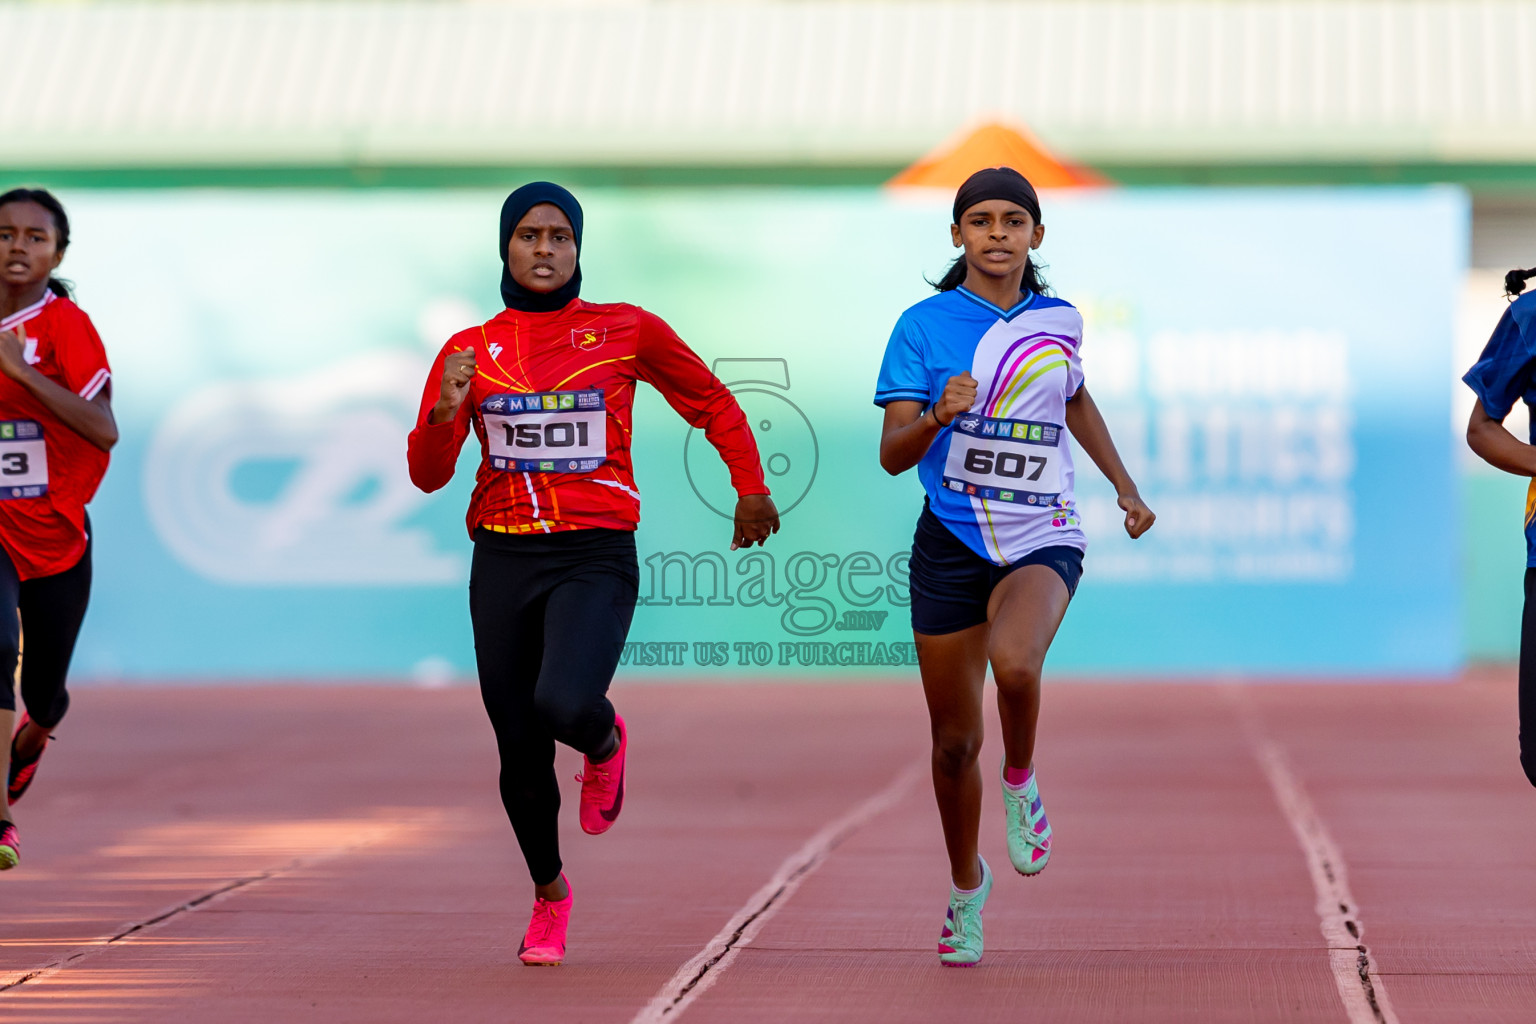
(981, 385)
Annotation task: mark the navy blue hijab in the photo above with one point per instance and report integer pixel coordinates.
(515, 209)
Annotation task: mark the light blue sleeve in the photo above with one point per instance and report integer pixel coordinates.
(904, 371)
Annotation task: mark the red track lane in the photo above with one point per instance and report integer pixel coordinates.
(381, 882)
(1422, 789)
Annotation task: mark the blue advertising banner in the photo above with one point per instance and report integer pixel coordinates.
(1273, 365)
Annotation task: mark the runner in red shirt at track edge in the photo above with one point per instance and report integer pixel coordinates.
(56, 427)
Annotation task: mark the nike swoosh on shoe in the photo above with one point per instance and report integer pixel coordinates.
(618, 803)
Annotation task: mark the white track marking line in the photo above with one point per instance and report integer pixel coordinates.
(1362, 989)
(704, 969)
(219, 893)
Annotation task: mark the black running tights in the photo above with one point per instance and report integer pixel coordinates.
(550, 615)
(1528, 678)
(52, 608)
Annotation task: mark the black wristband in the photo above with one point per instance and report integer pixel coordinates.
(935, 410)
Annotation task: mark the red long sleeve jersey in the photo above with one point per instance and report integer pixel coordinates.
(48, 473)
(552, 404)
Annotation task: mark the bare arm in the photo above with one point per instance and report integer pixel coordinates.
(91, 418)
(1087, 426)
(1495, 445)
(909, 429)
(907, 432)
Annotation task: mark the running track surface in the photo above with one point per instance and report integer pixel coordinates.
(368, 873)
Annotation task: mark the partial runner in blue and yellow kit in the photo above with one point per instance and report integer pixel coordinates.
(1505, 374)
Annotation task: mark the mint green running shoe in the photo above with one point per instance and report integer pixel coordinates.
(960, 942)
(1029, 834)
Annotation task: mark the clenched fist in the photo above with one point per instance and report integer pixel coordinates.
(458, 372)
(958, 397)
(13, 347)
(1138, 518)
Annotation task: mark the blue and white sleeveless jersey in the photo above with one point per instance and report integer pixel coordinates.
(1000, 476)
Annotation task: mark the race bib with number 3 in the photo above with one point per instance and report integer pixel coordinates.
(23, 460)
(1005, 460)
(550, 432)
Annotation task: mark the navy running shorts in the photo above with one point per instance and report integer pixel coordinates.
(951, 584)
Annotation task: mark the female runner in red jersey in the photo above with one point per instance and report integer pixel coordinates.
(547, 386)
(56, 427)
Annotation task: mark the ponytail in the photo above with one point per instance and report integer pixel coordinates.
(1514, 281)
(954, 277)
(48, 201)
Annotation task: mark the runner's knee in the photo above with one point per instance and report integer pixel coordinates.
(1016, 672)
(572, 718)
(955, 752)
(559, 712)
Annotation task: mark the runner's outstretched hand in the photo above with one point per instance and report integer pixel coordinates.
(1138, 518)
(958, 397)
(458, 373)
(756, 518)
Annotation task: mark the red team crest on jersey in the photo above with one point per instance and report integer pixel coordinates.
(588, 338)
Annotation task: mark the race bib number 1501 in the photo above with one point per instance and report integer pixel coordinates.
(23, 460)
(1005, 460)
(551, 432)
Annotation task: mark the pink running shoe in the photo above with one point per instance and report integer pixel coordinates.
(10, 846)
(602, 787)
(544, 943)
(22, 772)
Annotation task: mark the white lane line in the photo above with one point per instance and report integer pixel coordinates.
(1363, 990)
(704, 969)
(138, 928)
(223, 891)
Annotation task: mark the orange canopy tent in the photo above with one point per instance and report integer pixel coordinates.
(994, 145)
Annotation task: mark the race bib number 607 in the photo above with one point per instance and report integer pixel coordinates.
(1005, 460)
(23, 460)
(551, 432)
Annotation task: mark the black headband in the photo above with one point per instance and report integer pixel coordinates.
(997, 183)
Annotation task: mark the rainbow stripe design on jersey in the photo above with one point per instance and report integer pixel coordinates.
(1000, 477)
(1042, 354)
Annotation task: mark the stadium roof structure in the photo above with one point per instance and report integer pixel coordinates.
(1220, 88)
